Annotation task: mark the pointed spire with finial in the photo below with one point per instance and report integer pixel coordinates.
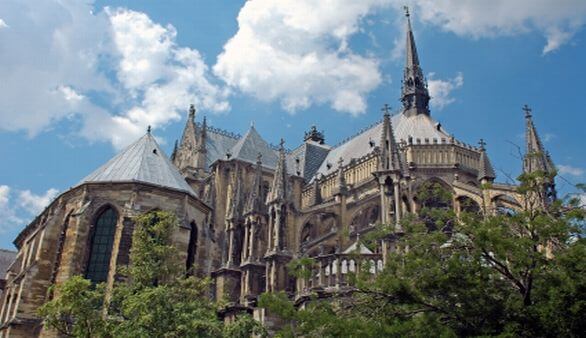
(390, 158)
(185, 157)
(485, 169)
(255, 204)
(537, 159)
(415, 95)
(278, 192)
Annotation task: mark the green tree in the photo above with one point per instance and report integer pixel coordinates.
(77, 309)
(517, 275)
(155, 300)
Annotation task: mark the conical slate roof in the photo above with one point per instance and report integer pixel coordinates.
(486, 170)
(143, 161)
(250, 145)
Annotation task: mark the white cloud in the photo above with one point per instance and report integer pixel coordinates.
(558, 21)
(570, 170)
(69, 94)
(160, 77)
(20, 206)
(8, 217)
(3, 24)
(296, 52)
(33, 203)
(441, 90)
(115, 67)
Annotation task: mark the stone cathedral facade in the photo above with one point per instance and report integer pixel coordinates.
(247, 208)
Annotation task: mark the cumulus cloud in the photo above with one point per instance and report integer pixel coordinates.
(297, 52)
(33, 203)
(160, 77)
(558, 21)
(3, 24)
(20, 206)
(441, 90)
(115, 70)
(8, 218)
(570, 170)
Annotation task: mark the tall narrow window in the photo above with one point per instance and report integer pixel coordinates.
(101, 246)
(192, 248)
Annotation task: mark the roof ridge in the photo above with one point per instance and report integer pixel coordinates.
(360, 132)
(220, 131)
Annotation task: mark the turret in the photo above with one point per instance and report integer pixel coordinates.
(485, 170)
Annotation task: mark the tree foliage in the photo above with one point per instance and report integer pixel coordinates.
(155, 300)
(490, 275)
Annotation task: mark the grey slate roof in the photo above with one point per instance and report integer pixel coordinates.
(486, 170)
(143, 161)
(418, 127)
(6, 258)
(218, 144)
(250, 145)
(310, 156)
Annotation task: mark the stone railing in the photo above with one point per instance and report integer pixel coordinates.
(334, 270)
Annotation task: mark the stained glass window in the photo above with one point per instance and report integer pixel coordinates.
(101, 246)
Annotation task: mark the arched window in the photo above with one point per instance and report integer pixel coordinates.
(192, 248)
(101, 246)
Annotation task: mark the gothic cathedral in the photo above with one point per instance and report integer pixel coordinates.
(247, 208)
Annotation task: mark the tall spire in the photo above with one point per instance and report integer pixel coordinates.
(278, 191)
(255, 204)
(415, 96)
(390, 159)
(537, 159)
(185, 156)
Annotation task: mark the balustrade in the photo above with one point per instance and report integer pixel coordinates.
(334, 270)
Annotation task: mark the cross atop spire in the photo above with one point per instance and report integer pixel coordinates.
(527, 111)
(406, 9)
(415, 96)
(482, 144)
(149, 129)
(386, 109)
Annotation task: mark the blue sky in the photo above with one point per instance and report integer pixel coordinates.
(80, 80)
